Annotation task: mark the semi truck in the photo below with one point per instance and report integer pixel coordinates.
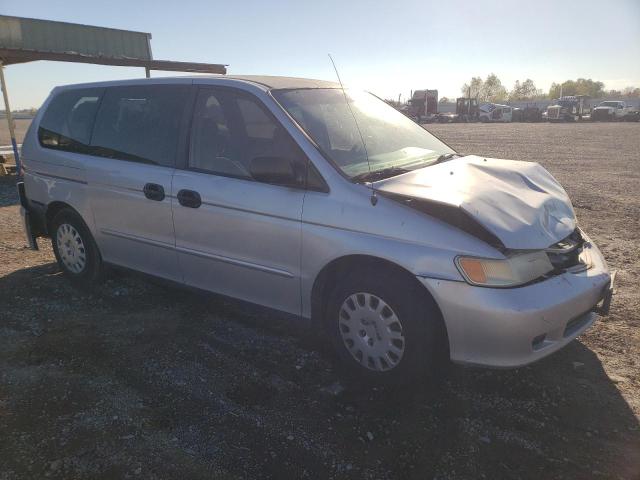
(423, 104)
(569, 108)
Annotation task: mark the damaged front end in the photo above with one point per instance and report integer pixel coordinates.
(520, 266)
(518, 208)
(570, 254)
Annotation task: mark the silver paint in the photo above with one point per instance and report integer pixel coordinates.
(268, 244)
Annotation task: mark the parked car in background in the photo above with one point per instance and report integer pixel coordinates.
(494, 112)
(319, 202)
(569, 108)
(615, 111)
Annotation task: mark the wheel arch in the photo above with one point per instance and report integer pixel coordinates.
(332, 271)
(55, 207)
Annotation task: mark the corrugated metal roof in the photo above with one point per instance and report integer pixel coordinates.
(264, 82)
(70, 38)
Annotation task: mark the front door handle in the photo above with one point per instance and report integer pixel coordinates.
(153, 191)
(189, 198)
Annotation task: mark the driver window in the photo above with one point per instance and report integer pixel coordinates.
(213, 148)
(229, 131)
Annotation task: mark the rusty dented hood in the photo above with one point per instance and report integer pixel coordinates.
(519, 203)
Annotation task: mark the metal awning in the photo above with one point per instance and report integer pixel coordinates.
(12, 57)
(25, 40)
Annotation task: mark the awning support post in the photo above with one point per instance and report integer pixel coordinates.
(12, 132)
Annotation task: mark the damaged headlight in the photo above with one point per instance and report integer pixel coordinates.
(509, 272)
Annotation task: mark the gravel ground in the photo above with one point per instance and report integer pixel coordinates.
(133, 379)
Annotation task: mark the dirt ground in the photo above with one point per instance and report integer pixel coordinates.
(134, 379)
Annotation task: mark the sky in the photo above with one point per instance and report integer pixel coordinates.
(387, 47)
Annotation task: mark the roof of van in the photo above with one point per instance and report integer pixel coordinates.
(263, 81)
(283, 82)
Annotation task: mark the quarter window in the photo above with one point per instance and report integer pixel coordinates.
(68, 120)
(140, 123)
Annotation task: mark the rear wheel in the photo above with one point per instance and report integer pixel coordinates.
(74, 247)
(385, 328)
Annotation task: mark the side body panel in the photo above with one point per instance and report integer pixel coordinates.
(344, 223)
(132, 230)
(243, 241)
(51, 175)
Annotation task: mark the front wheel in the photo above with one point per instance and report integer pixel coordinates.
(386, 329)
(74, 247)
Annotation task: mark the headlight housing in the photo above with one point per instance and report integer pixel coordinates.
(509, 272)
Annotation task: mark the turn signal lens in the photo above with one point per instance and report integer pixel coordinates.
(473, 269)
(511, 271)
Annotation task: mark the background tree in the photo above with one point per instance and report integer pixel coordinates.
(489, 90)
(475, 85)
(525, 91)
(581, 86)
(445, 100)
(493, 91)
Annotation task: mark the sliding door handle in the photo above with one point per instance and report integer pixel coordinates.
(153, 191)
(189, 198)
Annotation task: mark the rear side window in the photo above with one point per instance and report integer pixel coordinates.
(140, 123)
(68, 121)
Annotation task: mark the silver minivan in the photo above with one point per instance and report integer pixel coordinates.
(321, 202)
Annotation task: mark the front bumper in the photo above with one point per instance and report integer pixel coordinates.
(511, 327)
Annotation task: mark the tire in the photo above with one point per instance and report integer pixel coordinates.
(389, 310)
(75, 249)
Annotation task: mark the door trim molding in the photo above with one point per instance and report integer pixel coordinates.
(198, 253)
(135, 238)
(235, 261)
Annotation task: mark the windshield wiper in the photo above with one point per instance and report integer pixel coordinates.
(446, 156)
(378, 174)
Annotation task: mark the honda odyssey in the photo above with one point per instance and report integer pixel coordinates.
(318, 201)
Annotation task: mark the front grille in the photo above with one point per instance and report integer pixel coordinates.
(600, 114)
(553, 113)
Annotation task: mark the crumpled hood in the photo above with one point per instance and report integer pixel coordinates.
(518, 202)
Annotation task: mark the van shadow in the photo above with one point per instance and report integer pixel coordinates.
(560, 418)
(8, 191)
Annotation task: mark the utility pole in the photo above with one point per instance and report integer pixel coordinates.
(12, 132)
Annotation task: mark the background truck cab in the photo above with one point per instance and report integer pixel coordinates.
(493, 112)
(423, 103)
(569, 108)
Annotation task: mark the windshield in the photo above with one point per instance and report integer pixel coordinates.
(391, 141)
(609, 104)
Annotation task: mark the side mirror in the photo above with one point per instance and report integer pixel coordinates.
(274, 170)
